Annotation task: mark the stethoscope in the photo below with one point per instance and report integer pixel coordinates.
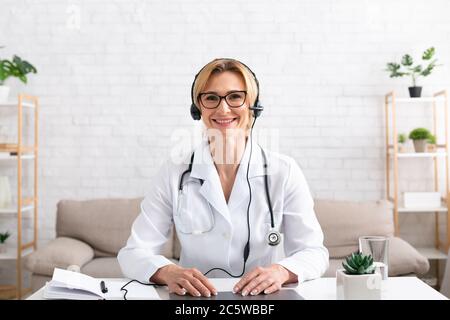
(273, 236)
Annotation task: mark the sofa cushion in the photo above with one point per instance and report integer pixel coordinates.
(105, 224)
(103, 268)
(343, 222)
(403, 259)
(60, 253)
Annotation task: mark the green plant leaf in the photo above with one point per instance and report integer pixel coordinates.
(351, 263)
(393, 68)
(349, 270)
(428, 54)
(24, 66)
(417, 69)
(419, 134)
(407, 60)
(428, 69)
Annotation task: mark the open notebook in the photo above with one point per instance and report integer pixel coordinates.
(77, 286)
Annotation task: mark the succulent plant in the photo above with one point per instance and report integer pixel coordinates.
(419, 134)
(402, 138)
(359, 263)
(4, 236)
(431, 139)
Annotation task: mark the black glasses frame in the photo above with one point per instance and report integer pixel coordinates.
(223, 97)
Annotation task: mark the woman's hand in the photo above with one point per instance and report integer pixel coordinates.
(267, 280)
(180, 280)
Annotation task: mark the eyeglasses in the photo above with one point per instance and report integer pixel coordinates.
(234, 99)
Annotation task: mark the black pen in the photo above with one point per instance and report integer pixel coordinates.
(103, 287)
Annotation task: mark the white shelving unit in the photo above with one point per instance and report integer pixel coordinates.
(440, 249)
(19, 154)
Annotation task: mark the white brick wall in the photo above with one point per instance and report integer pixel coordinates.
(114, 82)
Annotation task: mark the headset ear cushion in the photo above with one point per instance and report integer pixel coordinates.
(195, 113)
(257, 110)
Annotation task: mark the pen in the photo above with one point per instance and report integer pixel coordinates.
(103, 287)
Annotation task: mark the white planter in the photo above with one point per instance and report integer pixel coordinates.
(420, 145)
(4, 93)
(358, 287)
(2, 247)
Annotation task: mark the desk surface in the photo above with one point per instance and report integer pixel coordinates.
(395, 288)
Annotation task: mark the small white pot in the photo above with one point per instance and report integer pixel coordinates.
(358, 287)
(4, 93)
(2, 247)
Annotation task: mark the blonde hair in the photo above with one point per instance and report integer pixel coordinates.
(221, 65)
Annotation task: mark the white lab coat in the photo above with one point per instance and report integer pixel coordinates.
(213, 233)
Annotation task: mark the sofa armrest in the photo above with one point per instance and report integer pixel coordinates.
(405, 259)
(61, 253)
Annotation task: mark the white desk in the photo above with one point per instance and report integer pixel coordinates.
(398, 288)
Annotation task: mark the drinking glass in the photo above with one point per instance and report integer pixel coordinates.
(378, 248)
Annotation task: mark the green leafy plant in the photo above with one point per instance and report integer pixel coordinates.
(402, 138)
(419, 134)
(431, 139)
(15, 68)
(358, 263)
(4, 236)
(406, 68)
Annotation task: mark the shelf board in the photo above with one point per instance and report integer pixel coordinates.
(13, 147)
(401, 209)
(422, 209)
(11, 253)
(11, 103)
(417, 100)
(419, 154)
(13, 209)
(432, 253)
(8, 156)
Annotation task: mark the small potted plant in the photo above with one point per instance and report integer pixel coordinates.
(420, 137)
(406, 68)
(431, 143)
(358, 280)
(3, 237)
(13, 68)
(402, 142)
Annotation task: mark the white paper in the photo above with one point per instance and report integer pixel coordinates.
(73, 285)
(223, 284)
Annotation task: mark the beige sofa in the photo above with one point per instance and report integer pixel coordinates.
(90, 233)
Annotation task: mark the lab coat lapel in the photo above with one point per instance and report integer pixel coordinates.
(203, 168)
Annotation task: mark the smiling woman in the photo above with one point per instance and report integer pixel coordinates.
(238, 90)
(220, 205)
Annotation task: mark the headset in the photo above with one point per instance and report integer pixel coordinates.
(273, 237)
(257, 107)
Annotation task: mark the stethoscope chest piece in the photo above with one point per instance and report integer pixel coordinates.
(274, 237)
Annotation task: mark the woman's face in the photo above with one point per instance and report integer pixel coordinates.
(224, 117)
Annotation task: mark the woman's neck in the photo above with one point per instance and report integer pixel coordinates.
(227, 151)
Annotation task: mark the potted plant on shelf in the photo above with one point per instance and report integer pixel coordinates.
(406, 68)
(3, 237)
(358, 280)
(431, 143)
(420, 137)
(13, 68)
(402, 142)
